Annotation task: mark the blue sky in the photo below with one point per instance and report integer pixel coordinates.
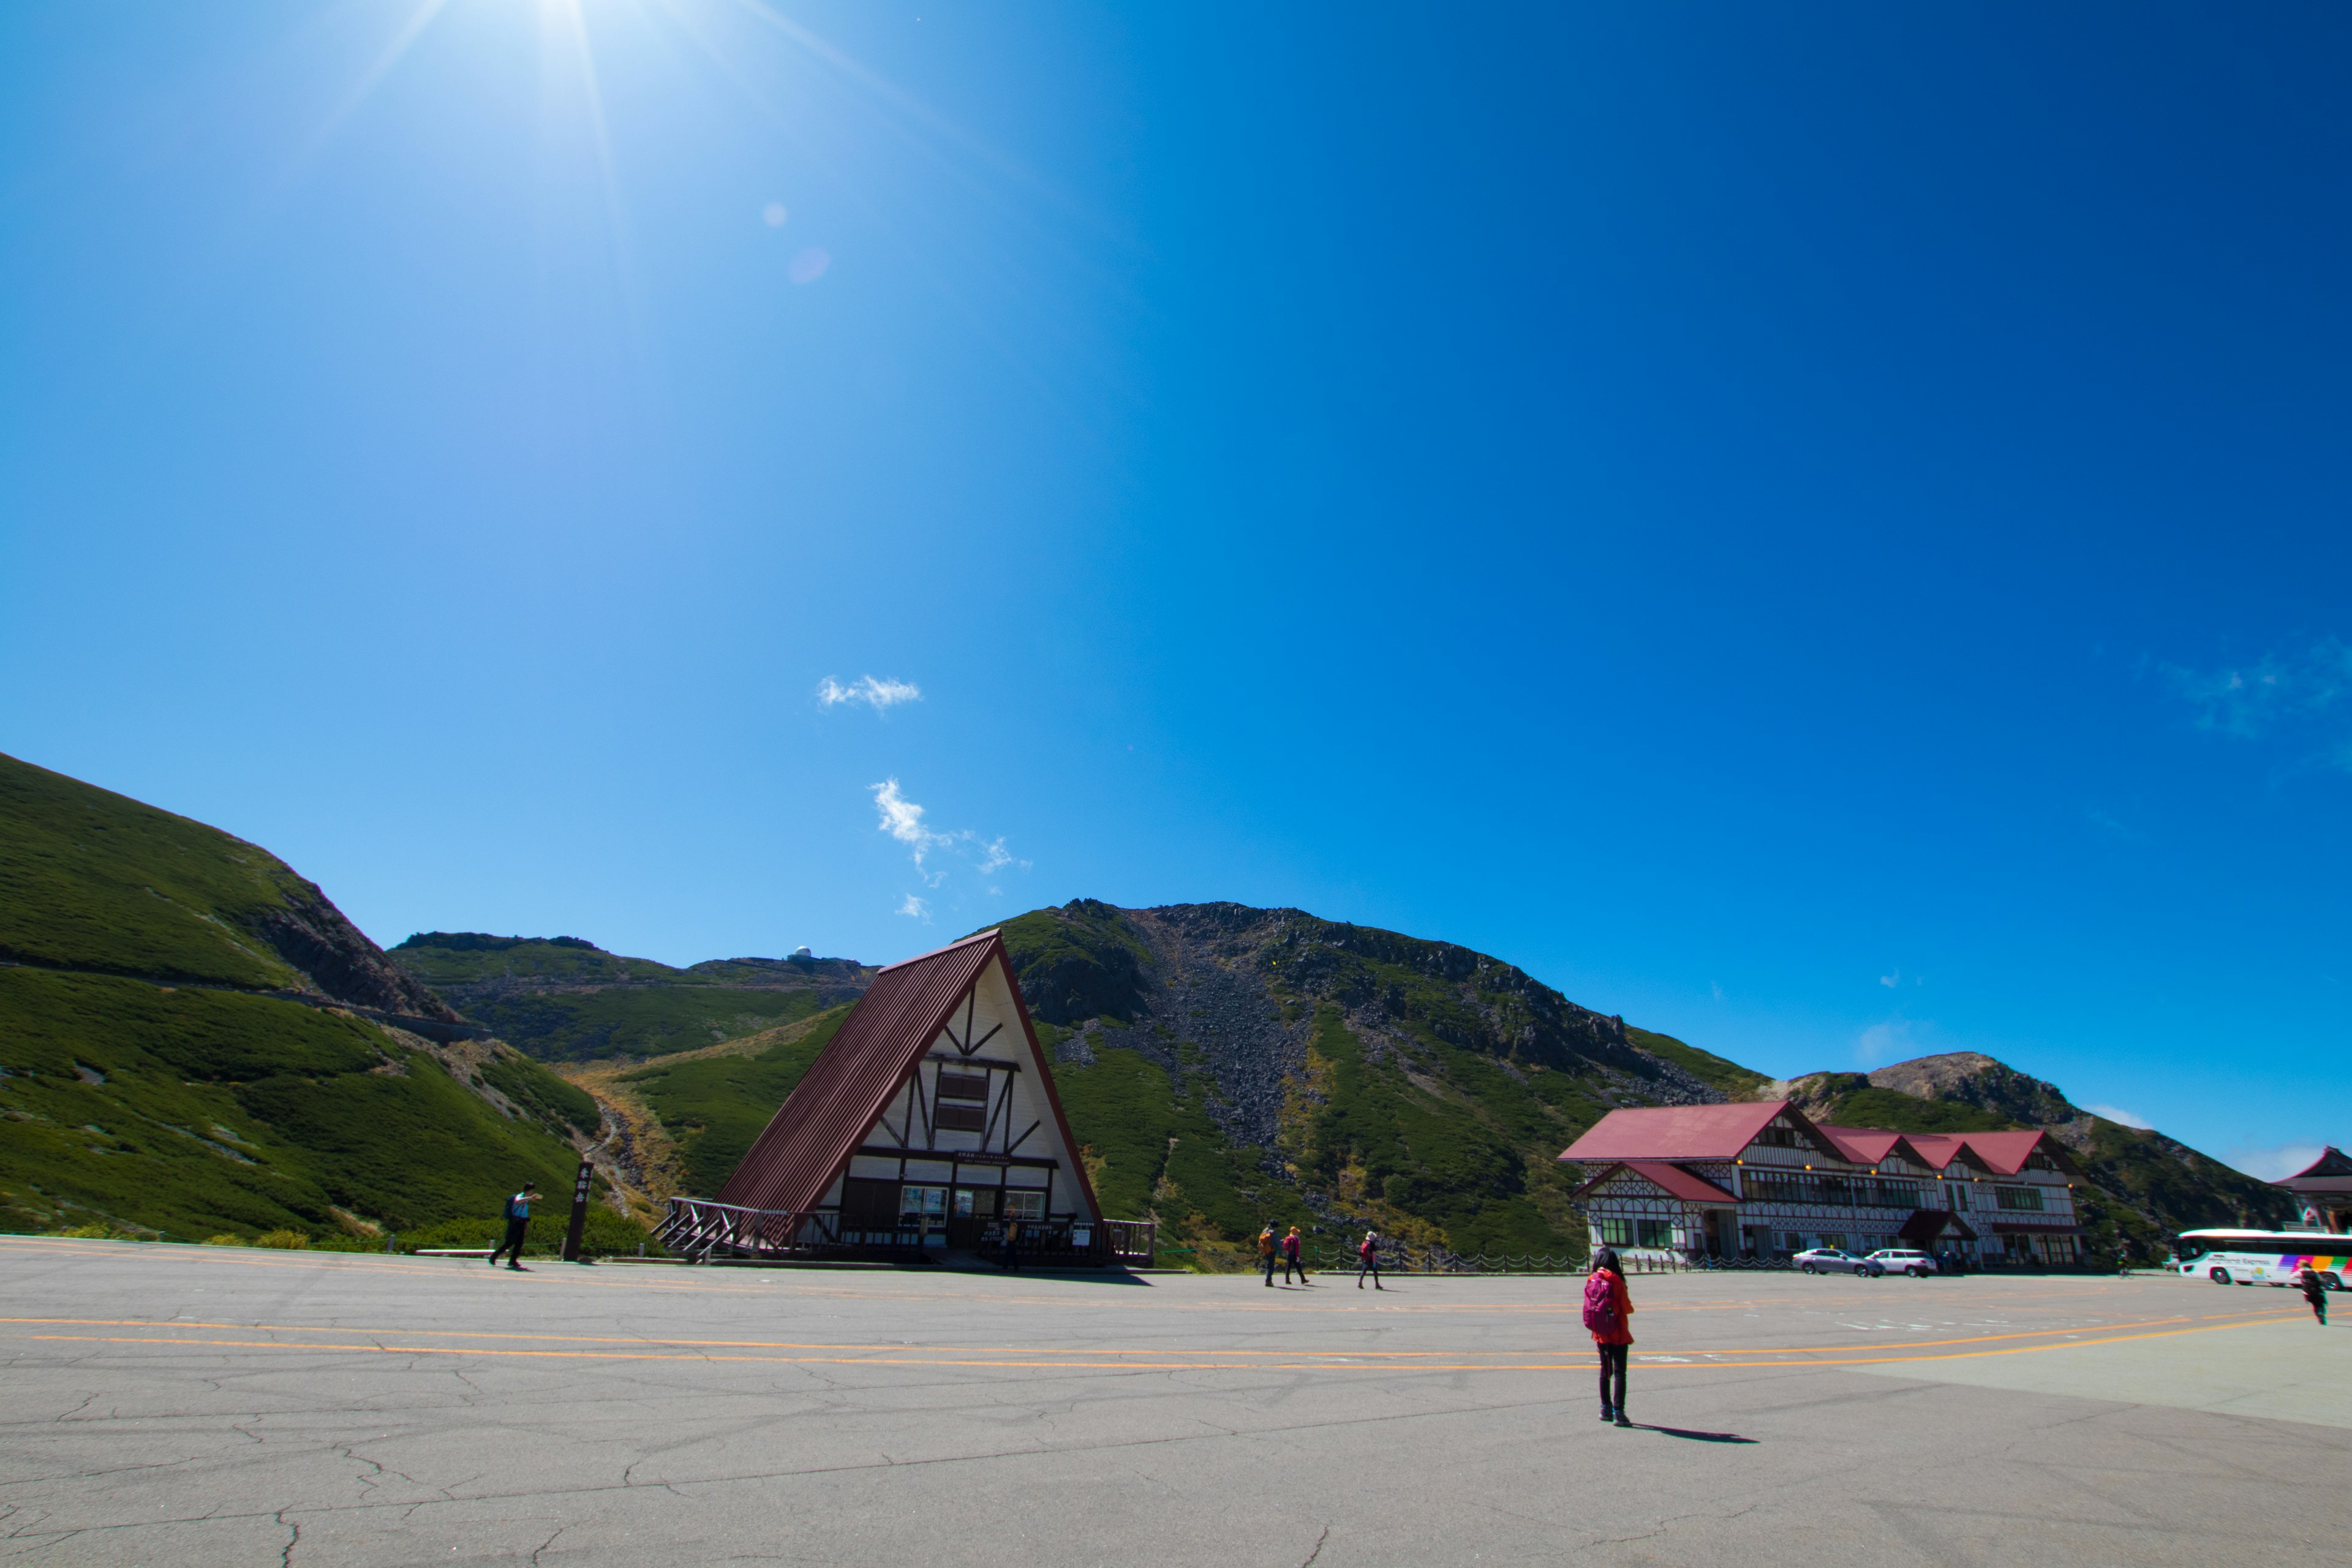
(1819, 529)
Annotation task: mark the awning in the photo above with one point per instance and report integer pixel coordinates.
(1926, 1224)
(2052, 1228)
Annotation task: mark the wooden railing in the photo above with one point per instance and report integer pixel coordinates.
(701, 1230)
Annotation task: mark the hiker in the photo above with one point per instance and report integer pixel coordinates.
(1368, 1252)
(1265, 1251)
(518, 1222)
(1609, 1313)
(1294, 1256)
(2314, 1290)
(1012, 1244)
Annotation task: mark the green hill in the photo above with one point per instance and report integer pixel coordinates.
(565, 999)
(195, 1041)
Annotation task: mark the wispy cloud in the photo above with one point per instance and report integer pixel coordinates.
(2302, 693)
(1881, 1041)
(902, 819)
(918, 907)
(1890, 981)
(2112, 826)
(2117, 1114)
(2272, 1164)
(877, 694)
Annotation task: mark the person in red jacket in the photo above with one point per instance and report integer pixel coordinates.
(1608, 1313)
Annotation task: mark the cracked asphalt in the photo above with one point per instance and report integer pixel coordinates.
(194, 1407)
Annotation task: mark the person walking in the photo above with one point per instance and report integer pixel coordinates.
(517, 1223)
(1012, 1244)
(1609, 1314)
(1294, 1256)
(1265, 1251)
(2315, 1291)
(1368, 1254)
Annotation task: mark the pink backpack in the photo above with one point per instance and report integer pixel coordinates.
(1600, 1302)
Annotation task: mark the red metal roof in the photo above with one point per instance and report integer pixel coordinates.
(1670, 1179)
(810, 1140)
(1872, 1145)
(1686, 1131)
(2005, 1153)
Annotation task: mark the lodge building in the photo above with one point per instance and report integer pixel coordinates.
(1761, 1180)
(928, 1127)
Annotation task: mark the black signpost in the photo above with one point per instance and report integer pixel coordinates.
(579, 1212)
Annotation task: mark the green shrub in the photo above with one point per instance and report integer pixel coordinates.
(290, 1240)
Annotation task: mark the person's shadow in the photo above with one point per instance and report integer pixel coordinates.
(1693, 1436)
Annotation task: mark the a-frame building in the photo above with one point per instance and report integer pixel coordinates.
(927, 1125)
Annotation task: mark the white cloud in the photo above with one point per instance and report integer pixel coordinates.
(773, 215)
(902, 819)
(1890, 981)
(918, 907)
(2306, 691)
(2271, 1164)
(2117, 1114)
(879, 695)
(1880, 1041)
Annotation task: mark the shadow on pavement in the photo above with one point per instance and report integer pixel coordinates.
(1693, 1436)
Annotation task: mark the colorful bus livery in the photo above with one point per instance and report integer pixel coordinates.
(2262, 1257)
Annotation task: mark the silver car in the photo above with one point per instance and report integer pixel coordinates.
(1906, 1260)
(1831, 1260)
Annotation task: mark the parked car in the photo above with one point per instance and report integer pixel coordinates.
(1906, 1260)
(1830, 1260)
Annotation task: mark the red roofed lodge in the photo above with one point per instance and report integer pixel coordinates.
(1759, 1181)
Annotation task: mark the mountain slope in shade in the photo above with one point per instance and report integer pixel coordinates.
(195, 1041)
(2147, 1187)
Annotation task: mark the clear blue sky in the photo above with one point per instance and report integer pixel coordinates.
(1820, 528)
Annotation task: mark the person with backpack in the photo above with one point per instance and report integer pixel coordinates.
(1294, 1256)
(1609, 1314)
(1368, 1252)
(2315, 1291)
(1265, 1251)
(518, 1222)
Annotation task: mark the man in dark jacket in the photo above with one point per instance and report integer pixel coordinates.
(2315, 1291)
(518, 1222)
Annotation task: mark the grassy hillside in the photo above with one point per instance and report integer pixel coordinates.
(152, 1081)
(564, 999)
(195, 1112)
(714, 1106)
(1735, 1081)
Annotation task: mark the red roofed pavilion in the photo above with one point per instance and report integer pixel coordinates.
(928, 1127)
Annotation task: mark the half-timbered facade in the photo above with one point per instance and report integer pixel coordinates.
(927, 1125)
(1761, 1180)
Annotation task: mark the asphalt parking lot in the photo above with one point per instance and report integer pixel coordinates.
(194, 1407)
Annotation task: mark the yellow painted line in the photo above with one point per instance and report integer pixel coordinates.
(670, 1341)
(1578, 1365)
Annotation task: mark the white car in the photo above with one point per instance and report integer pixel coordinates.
(1906, 1260)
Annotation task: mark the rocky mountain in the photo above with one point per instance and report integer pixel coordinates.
(1229, 1065)
(565, 999)
(2147, 1186)
(193, 1041)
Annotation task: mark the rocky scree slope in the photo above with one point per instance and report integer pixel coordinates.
(193, 1041)
(2145, 1186)
(1227, 1066)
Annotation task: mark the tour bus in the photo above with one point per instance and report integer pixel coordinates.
(2267, 1256)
